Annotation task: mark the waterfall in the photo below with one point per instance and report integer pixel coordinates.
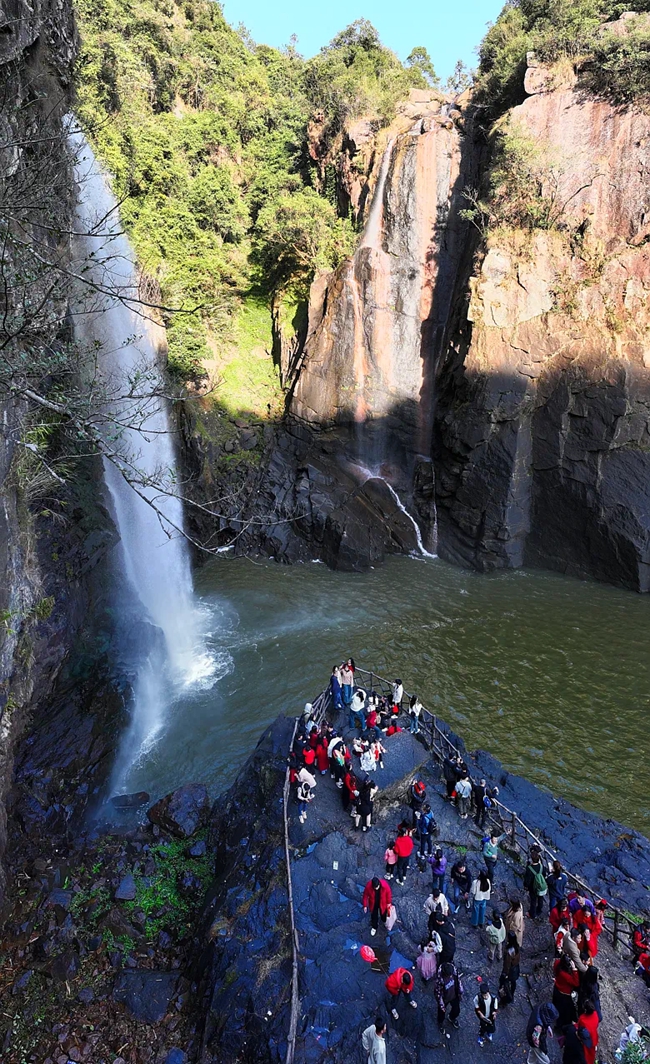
(372, 229)
(154, 556)
(368, 474)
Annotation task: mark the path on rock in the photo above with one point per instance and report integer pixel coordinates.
(341, 994)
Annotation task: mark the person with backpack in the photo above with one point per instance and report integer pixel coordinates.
(415, 708)
(461, 884)
(491, 852)
(377, 900)
(495, 933)
(511, 969)
(403, 848)
(417, 796)
(426, 826)
(463, 796)
(535, 883)
(486, 1007)
(480, 896)
(399, 984)
(448, 991)
(438, 863)
(373, 1042)
(538, 1031)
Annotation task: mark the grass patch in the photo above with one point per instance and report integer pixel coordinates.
(166, 904)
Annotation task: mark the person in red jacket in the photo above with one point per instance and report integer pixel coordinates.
(641, 939)
(399, 982)
(559, 913)
(589, 1021)
(350, 792)
(566, 981)
(377, 898)
(322, 760)
(403, 848)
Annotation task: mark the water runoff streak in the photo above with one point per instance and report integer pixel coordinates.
(154, 554)
(368, 474)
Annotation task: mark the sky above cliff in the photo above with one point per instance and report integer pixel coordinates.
(448, 31)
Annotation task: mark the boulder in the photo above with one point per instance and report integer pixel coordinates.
(127, 889)
(129, 801)
(182, 812)
(145, 994)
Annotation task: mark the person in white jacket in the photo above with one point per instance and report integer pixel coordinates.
(398, 693)
(373, 1041)
(436, 900)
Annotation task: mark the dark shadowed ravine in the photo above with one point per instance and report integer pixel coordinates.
(551, 675)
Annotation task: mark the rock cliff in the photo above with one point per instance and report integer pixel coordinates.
(542, 445)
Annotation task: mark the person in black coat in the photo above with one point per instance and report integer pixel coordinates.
(574, 1051)
(445, 928)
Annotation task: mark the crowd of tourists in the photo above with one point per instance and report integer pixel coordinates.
(576, 923)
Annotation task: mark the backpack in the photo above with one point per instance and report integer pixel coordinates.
(540, 886)
(449, 990)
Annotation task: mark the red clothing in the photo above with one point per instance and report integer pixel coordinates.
(371, 719)
(392, 729)
(591, 1023)
(309, 756)
(403, 846)
(394, 982)
(565, 981)
(350, 785)
(639, 941)
(313, 738)
(385, 896)
(322, 760)
(555, 918)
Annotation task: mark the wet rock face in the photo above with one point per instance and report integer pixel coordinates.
(542, 446)
(182, 812)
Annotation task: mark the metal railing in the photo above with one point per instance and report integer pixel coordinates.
(520, 837)
(295, 991)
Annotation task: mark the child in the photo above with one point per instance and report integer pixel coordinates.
(486, 1007)
(390, 857)
(427, 962)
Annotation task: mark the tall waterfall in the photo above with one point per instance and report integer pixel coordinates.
(154, 555)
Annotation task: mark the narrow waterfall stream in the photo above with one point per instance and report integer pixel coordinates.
(153, 553)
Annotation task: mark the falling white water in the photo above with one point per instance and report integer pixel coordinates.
(154, 553)
(369, 475)
(372, 229)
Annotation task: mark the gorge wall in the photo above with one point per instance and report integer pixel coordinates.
(519, 366)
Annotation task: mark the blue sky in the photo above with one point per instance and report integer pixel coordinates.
(449, 31)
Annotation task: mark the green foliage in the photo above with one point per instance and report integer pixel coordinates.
(419, 59)
(556, 29)
(205, 133)
(162, 899)
(636, 1052)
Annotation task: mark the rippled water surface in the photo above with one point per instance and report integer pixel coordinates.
(550, 675)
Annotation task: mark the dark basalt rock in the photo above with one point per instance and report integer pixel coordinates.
(146, 994)
(130, 801)
(182, 812)
(126, 890)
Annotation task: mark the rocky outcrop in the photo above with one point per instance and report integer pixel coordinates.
(543, 440)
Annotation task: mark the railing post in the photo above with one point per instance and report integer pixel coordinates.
(513, 830)
(615, 928)
(372, 681)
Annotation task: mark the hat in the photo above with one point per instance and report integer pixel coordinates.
(419, 787)
(602, 904)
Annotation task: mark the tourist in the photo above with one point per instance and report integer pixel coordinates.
(399, 983)
(305, 784)
(368, 761)
(450, 775)
(417, 798)
(357, 710)
(337, 750)
(491, 852)
(372, 713)
(350, 793)
(535, 883)
(309, 756)
(415, 708)
(573, 1051)
(463, 796)
(643, 968)
(514, 919)
(347, 680)
(641, 939)
(426, 826)
(438, 863)
(538, 1031)
(436, 902)
(511, 969)
(390, 857)
(480, 896)
(496, 935)
(427, 962)
(398, 695)
(336, 689)
(579, 904)
(322, 759)
(588, 1021)
(461, 882)
(445, 928)
(378, 752)
(377, 899)
(486, 1006)
(479, 793)
(558, 883)
(448, 991)
(566, 980)
(403, 848)
(589, 991)
(559, 914)
(373, 1041)
(571, 949)
(367, 792)
(558, 939)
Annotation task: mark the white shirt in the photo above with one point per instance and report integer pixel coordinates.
(463, 788)
(306, 777)
(398, 693)
(441, 903)
(374, 1045)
